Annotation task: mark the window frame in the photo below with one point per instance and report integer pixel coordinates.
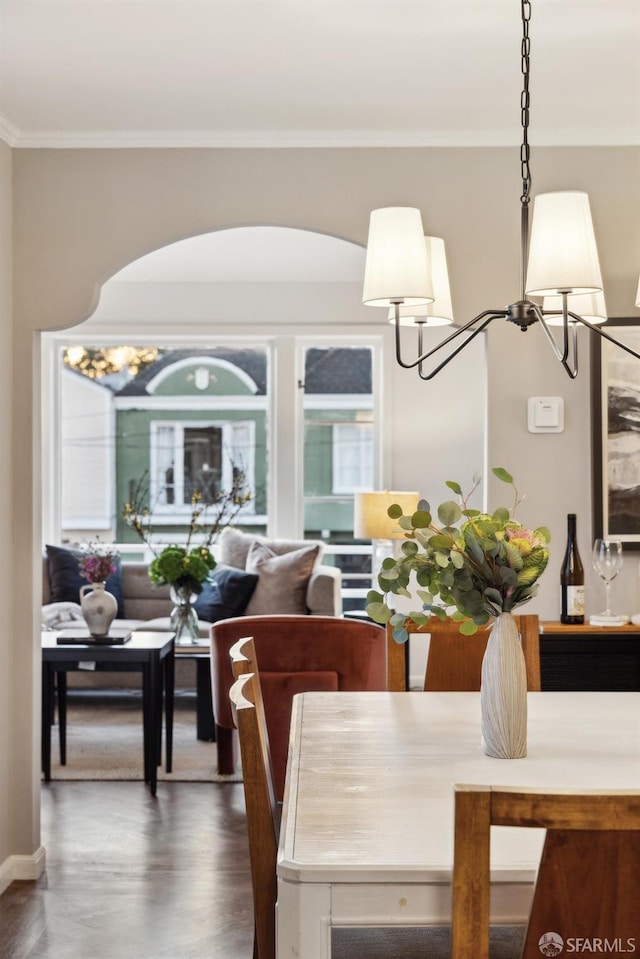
(283, 405)
(181, 508)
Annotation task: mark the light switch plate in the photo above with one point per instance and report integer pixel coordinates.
(545, 414)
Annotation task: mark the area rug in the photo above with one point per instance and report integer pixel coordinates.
(104, 742)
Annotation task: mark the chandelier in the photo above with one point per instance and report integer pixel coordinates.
(99, 361)
(406, 271)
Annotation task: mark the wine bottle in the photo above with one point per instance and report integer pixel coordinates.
(572, 578)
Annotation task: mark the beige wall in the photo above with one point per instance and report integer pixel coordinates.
(6, 648)
(81, 215)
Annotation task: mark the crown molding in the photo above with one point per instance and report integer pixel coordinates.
(292, 139)
(256, 139)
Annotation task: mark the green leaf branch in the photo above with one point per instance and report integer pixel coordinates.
(475, 564)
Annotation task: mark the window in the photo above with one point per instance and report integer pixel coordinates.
(157, 423)
(188, 459)
(352, 457)
(177, 418)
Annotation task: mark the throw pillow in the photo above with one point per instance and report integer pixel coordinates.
(283, 580)
(65, 579)
(235, 546)
(225, 594)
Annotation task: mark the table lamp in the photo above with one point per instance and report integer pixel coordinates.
(371, 521)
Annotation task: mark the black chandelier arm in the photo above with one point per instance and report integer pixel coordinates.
(490, 314)
(569, 342)
(445, 362)
(605, 336)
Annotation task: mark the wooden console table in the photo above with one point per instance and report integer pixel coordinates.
(572, 658)
(589, 658)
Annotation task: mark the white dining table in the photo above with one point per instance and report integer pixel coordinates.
(367, 828)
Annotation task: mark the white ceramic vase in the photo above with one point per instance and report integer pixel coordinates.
(503, 692)
(99, 608)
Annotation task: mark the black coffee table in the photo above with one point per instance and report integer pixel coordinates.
(149, 653)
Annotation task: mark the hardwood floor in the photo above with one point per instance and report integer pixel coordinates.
(132, 877)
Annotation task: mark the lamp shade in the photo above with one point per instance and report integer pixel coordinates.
(370, 519)
(563, 257)
(638, 294)
(396, 268)
(440, 312)
(589, 305)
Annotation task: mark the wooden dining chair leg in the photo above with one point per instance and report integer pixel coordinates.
(227, 750)
(470, 890)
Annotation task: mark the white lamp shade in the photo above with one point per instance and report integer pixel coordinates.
(589, 305)
(396, 269)
(563, 257)
(638, 294)
(370, 518)
(440, 312)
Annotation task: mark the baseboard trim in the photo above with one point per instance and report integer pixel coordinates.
(22, 867)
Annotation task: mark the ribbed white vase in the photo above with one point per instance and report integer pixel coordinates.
(503, 692)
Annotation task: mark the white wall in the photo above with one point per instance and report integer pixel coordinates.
(80, 215)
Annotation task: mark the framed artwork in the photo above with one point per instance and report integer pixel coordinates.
(615, 393)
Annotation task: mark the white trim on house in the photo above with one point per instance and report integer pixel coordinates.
(212, 361)
(190, 402)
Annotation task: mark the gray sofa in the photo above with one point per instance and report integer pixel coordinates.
(149, 607)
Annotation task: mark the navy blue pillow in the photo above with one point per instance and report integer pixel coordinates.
(225, 594)
(65, 579)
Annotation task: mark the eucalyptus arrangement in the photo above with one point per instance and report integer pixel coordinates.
(187, 565)
(479, 564)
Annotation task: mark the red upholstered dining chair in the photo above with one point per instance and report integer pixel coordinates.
(294, 654)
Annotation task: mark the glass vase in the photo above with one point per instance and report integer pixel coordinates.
(184, 618)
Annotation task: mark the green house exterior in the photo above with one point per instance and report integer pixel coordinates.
(187, 419)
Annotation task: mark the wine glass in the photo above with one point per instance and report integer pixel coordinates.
(607, 562)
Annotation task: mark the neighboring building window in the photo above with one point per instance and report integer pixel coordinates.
(197, 457)
(352, 457)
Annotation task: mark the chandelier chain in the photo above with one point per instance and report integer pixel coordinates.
(524, 103)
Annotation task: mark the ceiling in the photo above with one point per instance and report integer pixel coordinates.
(99, 73)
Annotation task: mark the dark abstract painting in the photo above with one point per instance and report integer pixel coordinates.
(616, 420)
